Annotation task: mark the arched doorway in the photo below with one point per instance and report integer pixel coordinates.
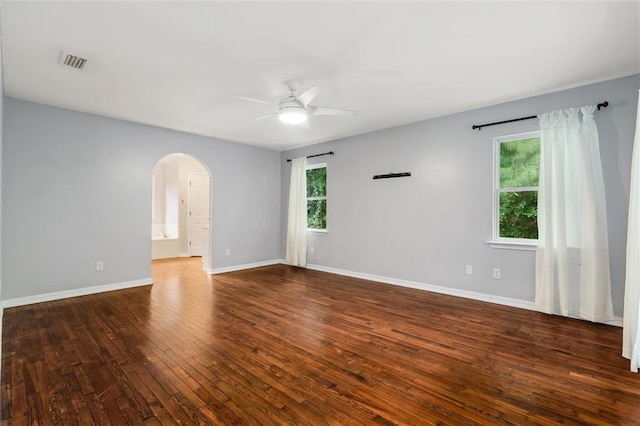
(181, 208)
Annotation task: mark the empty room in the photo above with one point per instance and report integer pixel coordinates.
(320, 212)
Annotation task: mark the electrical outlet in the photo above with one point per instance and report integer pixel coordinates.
(497, 273)
(227, 252)
(468, 269)
(99, 265)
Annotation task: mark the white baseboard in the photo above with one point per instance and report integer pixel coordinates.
(215, 271)
(500, 300)
(616, 321)
(1, 327)
(184, 255)
(47, 297)
(483, 297)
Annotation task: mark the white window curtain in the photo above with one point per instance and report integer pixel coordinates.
(572, 257)
(297, 221)
(631, 332)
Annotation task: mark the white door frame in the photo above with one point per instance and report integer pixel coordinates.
(207, 247)
(207, 259)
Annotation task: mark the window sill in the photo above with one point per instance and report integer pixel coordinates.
(318, 231)
(513, 245)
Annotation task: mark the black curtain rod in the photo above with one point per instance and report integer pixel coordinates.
(317, 155)
(392, 175)
(480, 126)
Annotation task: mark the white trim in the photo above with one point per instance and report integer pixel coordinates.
(514, 245)
(495, 231)
(1, 333)
(520, 189)
(48, 297)
(233, 268)
(1, 327)
(191, 175)
(316, 166)
(184, 255)
(317, 231)
(500, 300)
(490, 298)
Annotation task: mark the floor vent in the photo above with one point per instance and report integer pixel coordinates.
(72, 60)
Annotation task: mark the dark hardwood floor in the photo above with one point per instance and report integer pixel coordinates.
(281, 345)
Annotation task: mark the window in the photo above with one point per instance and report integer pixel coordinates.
(517, 170)
(317, 197)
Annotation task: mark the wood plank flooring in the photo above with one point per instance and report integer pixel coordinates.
(282, 345)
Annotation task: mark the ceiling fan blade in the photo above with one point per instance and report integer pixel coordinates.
(316, 110)
(307, 96)
(260, 101)
(261, 117)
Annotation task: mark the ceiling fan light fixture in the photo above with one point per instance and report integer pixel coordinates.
(296, 109)
(293, 115)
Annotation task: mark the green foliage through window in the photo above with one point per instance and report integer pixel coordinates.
(317, 198)
(518, 190)
(520, 163)
(519, 214)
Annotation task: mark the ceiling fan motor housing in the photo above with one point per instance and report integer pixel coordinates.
(292, 111)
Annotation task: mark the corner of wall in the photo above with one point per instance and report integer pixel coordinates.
(1, 127)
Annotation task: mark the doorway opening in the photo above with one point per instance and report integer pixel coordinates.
(181, 209)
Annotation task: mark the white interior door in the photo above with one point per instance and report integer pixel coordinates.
(198, 203)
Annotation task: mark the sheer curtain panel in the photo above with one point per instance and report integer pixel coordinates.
(297, 220)
(631, 333)
(572, 257)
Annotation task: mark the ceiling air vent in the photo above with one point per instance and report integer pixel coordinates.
(72, 60)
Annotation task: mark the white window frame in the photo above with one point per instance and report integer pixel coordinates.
(496, 240)
(319, 166)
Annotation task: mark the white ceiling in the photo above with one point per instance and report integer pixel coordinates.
(177, 65)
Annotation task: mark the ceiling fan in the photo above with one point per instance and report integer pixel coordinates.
(296, 109)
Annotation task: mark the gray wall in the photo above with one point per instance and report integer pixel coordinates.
(77, 189)
(425, 228)
(1, 133)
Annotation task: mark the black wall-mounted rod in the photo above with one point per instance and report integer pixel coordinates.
(480, 126)
(392, 175)
(317, 155)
